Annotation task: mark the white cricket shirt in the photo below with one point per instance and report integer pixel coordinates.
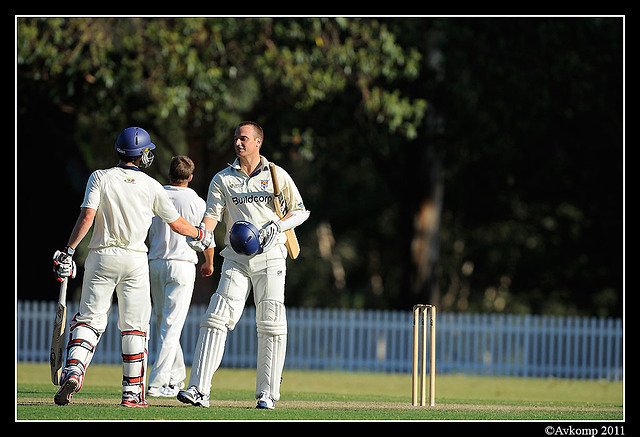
(166, 244)
(126, 199)
(233, 195)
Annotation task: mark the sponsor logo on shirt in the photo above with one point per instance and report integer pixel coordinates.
(252, 198)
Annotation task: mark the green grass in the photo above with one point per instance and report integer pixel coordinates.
(330, 396)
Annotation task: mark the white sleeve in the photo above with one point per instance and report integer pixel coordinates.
(215, 204)
(164, 207)
(289, 191)
(92, 191)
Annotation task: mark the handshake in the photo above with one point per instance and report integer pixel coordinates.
(203, 241)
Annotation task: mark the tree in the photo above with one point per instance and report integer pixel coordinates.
(413, 141)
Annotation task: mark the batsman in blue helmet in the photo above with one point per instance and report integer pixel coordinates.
(255, 257)
(120, 203)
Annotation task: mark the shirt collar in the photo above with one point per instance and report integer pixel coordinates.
(264, 165)
(128, 167)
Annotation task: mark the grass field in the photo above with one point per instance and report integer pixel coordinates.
(330, 396)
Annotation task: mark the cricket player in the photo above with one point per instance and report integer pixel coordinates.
(121, 201)
(172, 273)
(242, 193)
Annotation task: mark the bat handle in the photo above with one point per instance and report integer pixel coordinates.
(62, 297)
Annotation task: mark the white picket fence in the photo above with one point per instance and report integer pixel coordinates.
(380, 341)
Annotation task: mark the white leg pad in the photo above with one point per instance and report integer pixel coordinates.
(271, 323)
(134, 361)
(80, 349)
(210, 346)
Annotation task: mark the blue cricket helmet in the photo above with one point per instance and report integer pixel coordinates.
(133, 142)
(243, 238)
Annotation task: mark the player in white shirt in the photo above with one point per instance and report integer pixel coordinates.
(119, 202)
(172, 273)
(244, 192)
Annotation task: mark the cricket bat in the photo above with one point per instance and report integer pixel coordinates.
(292, 241)
(57, 339)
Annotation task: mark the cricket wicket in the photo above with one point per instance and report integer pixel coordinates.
(420, 354)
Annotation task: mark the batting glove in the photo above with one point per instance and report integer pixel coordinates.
(63, 264)
(268, 235)
(203, 241)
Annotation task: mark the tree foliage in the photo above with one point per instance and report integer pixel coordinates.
(474, 163)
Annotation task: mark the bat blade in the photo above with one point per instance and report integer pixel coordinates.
(293, 247)
(57, 338)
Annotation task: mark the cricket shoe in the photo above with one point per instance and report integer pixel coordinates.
(133, 400)
(194, 397)
(265, 402)
(68, 388)
(166, 391)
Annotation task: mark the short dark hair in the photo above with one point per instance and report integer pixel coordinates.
(256, 127)
(180, 168)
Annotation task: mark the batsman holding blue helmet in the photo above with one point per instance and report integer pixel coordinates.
(255, 256)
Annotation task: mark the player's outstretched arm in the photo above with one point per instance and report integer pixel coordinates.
(199, 239)
(183, 227)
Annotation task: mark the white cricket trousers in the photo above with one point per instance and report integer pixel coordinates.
(172, 284)
(263, 274)
(126, 272)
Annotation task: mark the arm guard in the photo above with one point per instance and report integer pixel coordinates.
(295, 219)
